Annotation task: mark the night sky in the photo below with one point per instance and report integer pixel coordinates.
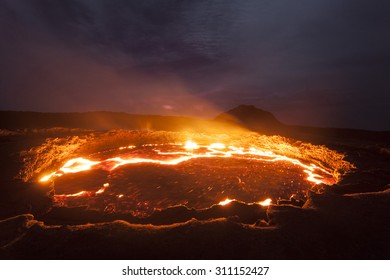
(310, 62)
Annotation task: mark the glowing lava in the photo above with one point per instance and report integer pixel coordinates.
(71, 166)
(48, 177)
(191, 151)
(101, 190)
(189, 145)
(77, 165)
(217, 146)
(225, 202)
(266, 202)
(73, 194)
(158, 176)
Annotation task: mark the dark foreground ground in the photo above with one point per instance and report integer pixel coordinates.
(350, 220)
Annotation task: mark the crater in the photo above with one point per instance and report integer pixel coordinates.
(140, 178)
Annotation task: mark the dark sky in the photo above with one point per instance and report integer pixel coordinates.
(311, 62)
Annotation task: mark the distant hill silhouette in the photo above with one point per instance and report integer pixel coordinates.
(261, 121)
(252, 118)
(240, 118)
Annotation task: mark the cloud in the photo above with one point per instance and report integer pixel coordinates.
(202, 53)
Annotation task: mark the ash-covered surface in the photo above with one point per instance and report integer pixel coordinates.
(349, 220)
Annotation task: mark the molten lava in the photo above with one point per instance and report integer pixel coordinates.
(189, 145)
(140, 179)
(266, 202)
(190, 150)
(225, 202)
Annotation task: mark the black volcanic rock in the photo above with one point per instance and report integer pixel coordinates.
(251, 117)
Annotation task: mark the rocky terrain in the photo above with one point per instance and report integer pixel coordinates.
(348, 220)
